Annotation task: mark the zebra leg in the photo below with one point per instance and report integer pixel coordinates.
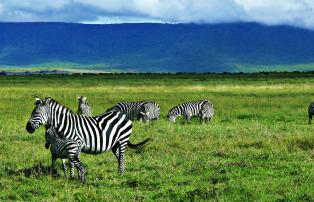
(122, 148)
(53, 164)
(64, 168)
(188, 117)
(310, 118)
(71, 170)
(81, 171)
(115, 150)
(203, 119)
(75, 160)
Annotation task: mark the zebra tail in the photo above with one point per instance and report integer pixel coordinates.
(138, 145)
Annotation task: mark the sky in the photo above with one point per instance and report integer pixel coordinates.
(299, 13)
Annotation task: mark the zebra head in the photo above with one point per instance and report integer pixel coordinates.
(172, 117)
(50, 135)
(39, 115)
(81, 99)
(147, 112)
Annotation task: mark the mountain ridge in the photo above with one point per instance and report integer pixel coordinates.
(150, 47)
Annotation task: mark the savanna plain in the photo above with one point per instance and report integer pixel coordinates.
(258, 147)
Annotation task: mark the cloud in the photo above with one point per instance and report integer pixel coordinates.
(288, 12)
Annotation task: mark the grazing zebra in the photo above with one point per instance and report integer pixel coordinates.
(141, 110)
(98, 134)
(64, 149)
(206, 112)
(187, 109)
(311, 111)
(150, 111)
(83, 107)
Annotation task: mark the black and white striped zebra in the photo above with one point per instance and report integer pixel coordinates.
(207, 112)
(64, 149)
(311, 111)
(187, 109)
(98, 134)
(141, 110)
(83, 107)
(150, 111)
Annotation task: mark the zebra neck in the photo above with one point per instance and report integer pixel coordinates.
(178, 112)
(61, 119)
(56, 141)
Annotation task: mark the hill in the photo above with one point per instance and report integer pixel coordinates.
(157, 47)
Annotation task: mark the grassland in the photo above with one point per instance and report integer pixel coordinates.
(259, 146)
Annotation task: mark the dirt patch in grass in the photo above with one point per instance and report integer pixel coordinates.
(306, 144)
(38, 170)
(257, 145)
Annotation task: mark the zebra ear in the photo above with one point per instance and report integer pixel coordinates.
(37, 101)
(84, 98)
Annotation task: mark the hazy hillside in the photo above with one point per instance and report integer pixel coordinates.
(157, 47)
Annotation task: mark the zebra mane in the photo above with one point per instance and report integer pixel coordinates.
(51, 100)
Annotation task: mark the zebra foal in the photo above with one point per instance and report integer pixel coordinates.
(64, 149)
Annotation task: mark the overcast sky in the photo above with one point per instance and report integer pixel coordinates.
(273, 12)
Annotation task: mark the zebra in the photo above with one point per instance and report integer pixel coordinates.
(98, 134)
(150, 111)
(64, 149)
(207, 112)
(83, 107)
(187, 109)
(311, 111)
(141, 110)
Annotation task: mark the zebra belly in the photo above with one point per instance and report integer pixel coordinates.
(93, 150)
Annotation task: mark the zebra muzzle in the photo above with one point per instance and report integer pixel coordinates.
(29, 127)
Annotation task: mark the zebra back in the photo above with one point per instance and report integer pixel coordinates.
(132, 110)
(61, 148)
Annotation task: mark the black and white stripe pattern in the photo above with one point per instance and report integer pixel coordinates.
(311, 111)
(207, 112)
(132, 110)
(64, 149)
(83, 107)
(187, 109)
(150, 111)
(98, 134)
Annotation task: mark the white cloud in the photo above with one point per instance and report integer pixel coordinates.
(291, 12)
(38, 5)
(122, 19)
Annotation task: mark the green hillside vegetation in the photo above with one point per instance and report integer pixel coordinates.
(259, 146)
(153, 47)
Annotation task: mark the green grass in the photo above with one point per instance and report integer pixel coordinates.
(259, 146)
